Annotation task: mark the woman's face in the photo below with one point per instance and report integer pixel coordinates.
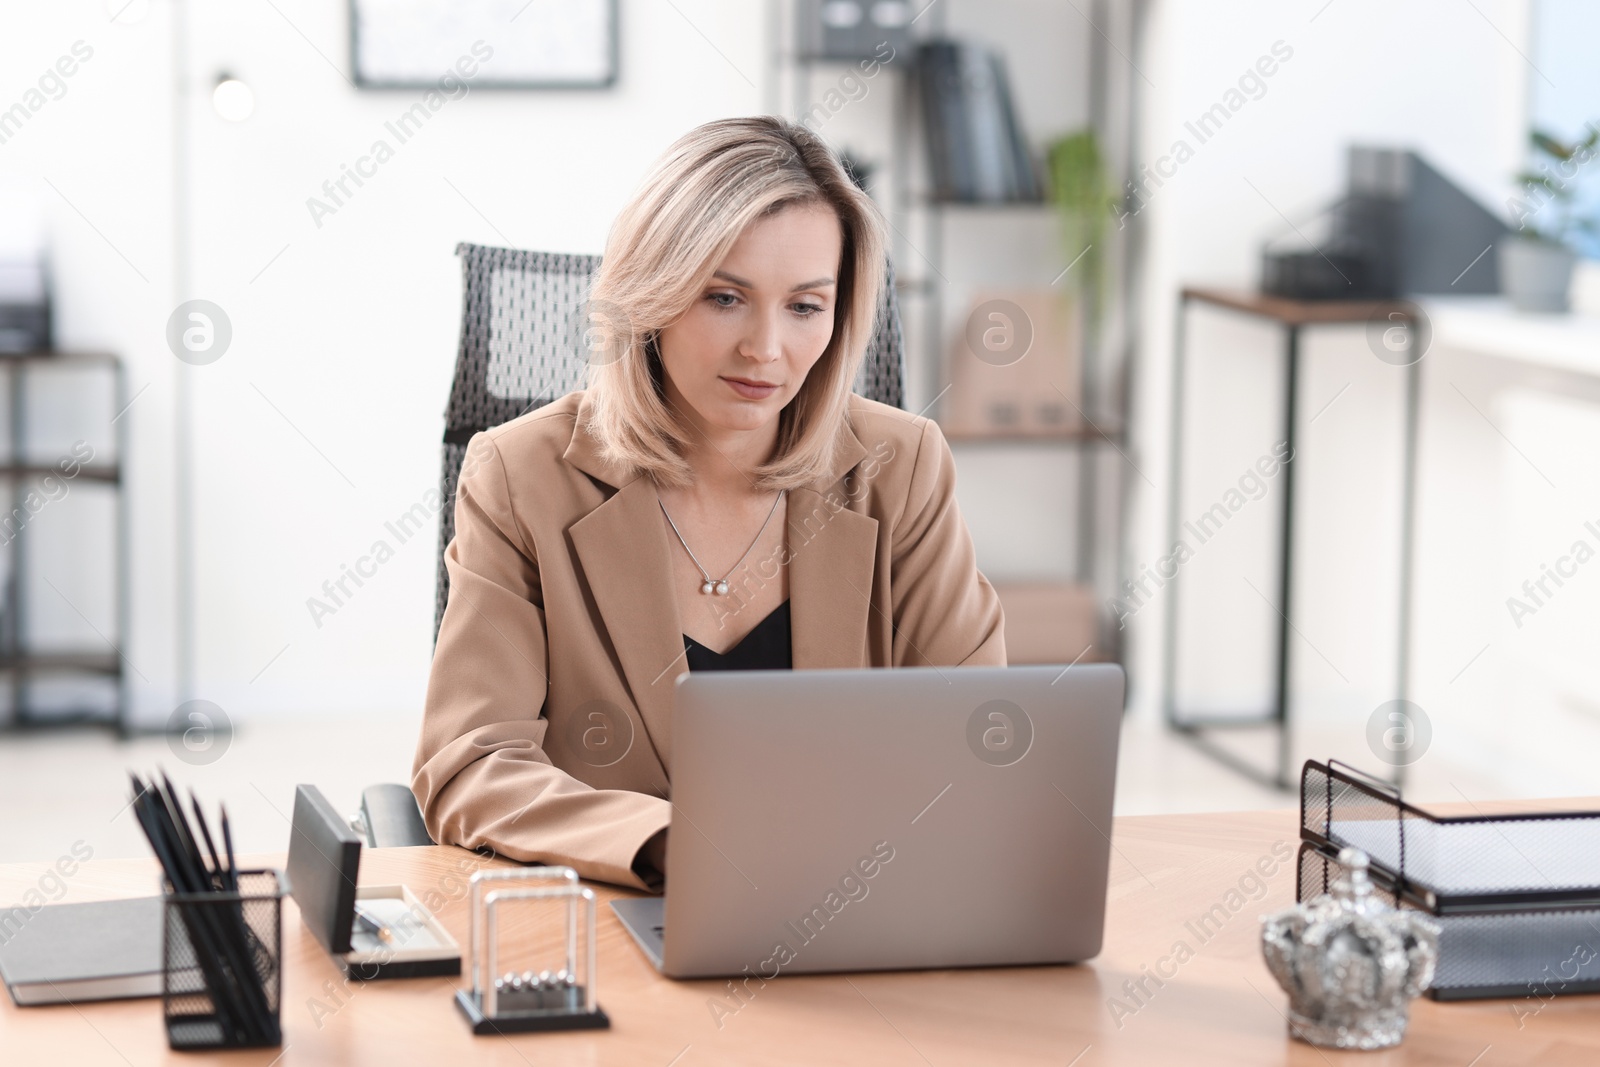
(744, 347)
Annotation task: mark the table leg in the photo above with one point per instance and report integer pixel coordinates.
(1291, 397)
(1408, 522)
(1169, 652)
(1278, 717)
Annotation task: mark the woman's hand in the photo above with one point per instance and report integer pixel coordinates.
(651, 862)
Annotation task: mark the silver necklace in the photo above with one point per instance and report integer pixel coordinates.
(719, 586)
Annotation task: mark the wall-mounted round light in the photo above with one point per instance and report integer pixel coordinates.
(841, 14)
(891, 13)
(232, 98)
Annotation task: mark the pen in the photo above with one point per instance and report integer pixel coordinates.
(373, 925)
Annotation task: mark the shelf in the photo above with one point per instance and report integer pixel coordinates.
(1056, 440)
(54, 662)
(986, 205)
(1292, 312)
(21, 471)
(65, 359)
(25, 718)
(60, 720)
(800, 59)
(110, 473)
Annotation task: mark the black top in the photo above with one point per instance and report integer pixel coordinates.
(764, 648)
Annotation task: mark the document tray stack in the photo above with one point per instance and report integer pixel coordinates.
(1518, 896)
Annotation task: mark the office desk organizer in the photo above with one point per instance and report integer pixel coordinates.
(551, 919)
(222, 964)
(1517, 896)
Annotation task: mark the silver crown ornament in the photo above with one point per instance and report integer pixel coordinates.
(1350, 962)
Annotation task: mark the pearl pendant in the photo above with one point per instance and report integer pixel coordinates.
(722, 588)
(707, 587)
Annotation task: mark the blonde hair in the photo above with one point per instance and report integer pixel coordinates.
(662, 251)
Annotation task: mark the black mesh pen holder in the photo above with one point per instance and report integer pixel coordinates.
(1517, 897)
(222, 964)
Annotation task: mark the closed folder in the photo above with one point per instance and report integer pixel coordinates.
(102, 950)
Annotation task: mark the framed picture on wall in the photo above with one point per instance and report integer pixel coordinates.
(508, 44)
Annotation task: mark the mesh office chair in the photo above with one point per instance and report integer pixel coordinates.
(523, 318)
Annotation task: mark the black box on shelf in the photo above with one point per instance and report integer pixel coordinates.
(853, 29)
(24, 307)
(1401, 229)
(977, 153)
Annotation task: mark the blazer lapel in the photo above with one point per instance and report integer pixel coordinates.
(831, 556)
(625, 561)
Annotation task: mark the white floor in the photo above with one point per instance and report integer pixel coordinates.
(62, 787)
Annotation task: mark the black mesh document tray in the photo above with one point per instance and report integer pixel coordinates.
(1517, 896)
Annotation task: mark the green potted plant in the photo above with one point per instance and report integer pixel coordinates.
(1536, 259)
(1081, 192)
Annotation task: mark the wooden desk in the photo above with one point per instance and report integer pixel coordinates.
(1218, 1007)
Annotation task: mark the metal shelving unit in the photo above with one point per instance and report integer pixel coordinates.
(920, 265)
(20, 663)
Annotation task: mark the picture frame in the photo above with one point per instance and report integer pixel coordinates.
(534, 44)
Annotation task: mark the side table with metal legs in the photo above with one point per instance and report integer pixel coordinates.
(1293, 316)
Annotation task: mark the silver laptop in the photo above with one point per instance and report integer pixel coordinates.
(849, 820)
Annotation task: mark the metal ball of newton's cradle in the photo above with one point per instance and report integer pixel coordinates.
(536, 981)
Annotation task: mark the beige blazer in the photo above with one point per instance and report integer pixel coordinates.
(547, 732)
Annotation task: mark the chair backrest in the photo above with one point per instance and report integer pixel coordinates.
(523, 320)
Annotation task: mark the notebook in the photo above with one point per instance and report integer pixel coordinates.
(102, 950)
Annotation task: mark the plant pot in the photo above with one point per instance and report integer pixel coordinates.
(1536, 275)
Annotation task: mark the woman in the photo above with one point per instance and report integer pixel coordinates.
(716, 498)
